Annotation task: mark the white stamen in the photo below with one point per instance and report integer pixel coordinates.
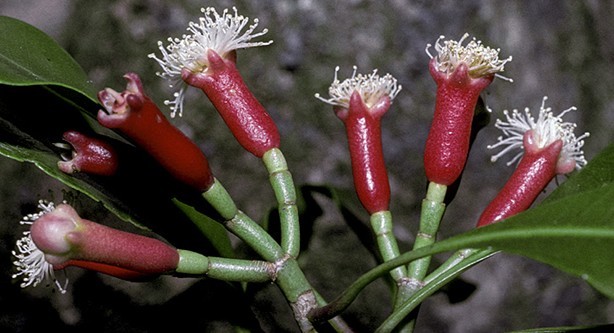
(547, 129)
(220, 33)
(371, 88)
(31, 263)
(481, 60)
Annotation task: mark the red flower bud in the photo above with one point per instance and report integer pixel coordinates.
(461, 73)
(205, 58)
(59, 238)
(362, 124)
(548, 147)
(534, 172)
(89, 155)
(246, 118)
(447, 144)
(136, 116)
(360, 102)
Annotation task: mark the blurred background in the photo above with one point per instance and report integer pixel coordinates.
(561, 49)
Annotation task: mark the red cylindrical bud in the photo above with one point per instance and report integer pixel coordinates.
(101, 244)
(90, 155)
(362, 124)
(68, 240)
(447, 144)
(135, 115)
(246, 118)
(535, 170)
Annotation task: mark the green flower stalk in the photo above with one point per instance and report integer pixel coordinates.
(136, 116)
(88, 154)
(461, 73)
(206, 59)
(548, 147)
(59, 238)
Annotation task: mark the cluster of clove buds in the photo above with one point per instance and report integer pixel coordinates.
(546, 146)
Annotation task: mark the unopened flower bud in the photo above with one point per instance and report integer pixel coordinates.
(135, 115)
(89, 155)
(59, 238)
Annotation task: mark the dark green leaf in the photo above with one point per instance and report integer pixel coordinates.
(597, 173)
(43, 93)
(29, 57)
(348, 208)
(213, 230)
(573, 231)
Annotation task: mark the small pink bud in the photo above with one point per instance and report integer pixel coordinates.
(89, 155)
(59, 238)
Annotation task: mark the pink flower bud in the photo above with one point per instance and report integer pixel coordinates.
(135, 115)
(89, 155)
(59, 238)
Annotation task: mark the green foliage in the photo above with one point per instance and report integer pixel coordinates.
(573, 231)
(39, 61)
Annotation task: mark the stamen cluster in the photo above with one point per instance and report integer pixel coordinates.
(31, 263)
(220, 33)
(481, 60)
(371, 88)
(546, 129)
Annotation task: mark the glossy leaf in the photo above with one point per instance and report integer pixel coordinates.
(29, 57)
(32, 119)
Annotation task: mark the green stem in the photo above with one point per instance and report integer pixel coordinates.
(256, 237)
(430, 217)
(339, 304)
(381, 223)
(432, 211)
(347, 296)
(285, 193)
(242, 225)
(297, 290)
(456, 259)
(437, 279)
(337, 323)
(221, 201)
(196, 264)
